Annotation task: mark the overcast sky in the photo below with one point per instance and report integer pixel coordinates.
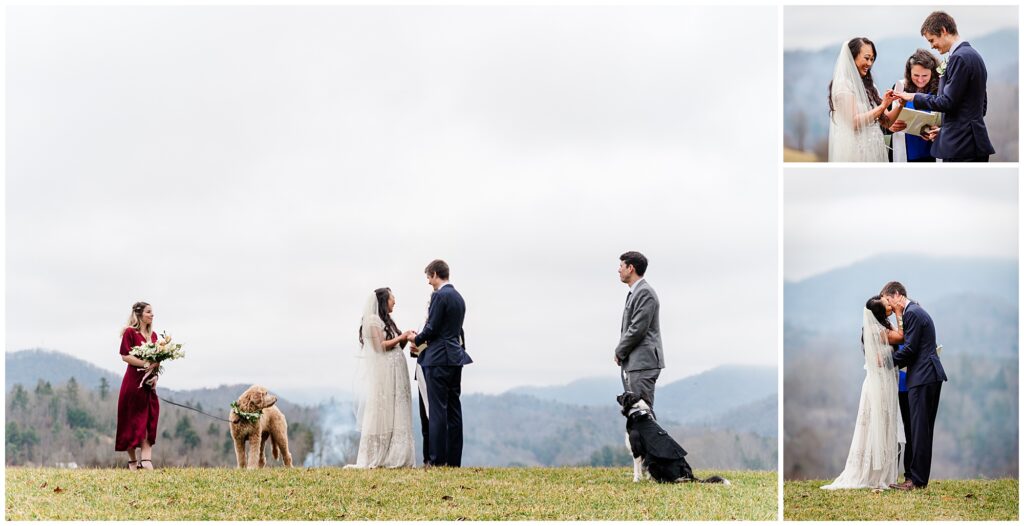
(255, 173)
(835, 217)
(815, 27)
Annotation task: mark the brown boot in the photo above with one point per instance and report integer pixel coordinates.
(906, 486)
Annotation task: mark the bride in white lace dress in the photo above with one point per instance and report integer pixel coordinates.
(857, 112)
(878, 438)
(384, 414)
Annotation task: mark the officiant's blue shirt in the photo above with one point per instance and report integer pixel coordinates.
(917, 148)
(903, 374)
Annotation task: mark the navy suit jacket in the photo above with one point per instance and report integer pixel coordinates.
(963, 100)
(443, 330)
(918, 352)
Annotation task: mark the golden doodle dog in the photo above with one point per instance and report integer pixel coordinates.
(254, 419)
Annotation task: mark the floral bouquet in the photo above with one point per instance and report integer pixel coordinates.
(157, 352)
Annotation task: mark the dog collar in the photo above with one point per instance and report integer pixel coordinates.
(247, 417)
(638, 412)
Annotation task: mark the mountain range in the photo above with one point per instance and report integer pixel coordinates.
(692, 399)
(559, 425)
(963, 295)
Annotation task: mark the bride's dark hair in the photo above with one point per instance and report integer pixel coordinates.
(855, 46)
(877, 308)
(390, 327)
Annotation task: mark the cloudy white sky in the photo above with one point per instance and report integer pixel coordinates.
(815, 27)
(255, 172)
(834, 217)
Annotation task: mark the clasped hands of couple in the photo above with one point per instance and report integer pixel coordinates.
(408, 336)
(901, 98)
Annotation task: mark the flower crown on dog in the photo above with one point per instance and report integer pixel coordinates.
(247, 417)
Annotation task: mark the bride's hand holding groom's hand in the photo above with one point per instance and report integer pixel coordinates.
(900, 98)
(904, 97)
(887, 111)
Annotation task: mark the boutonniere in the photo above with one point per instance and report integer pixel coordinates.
(247, 417)
(942, 67)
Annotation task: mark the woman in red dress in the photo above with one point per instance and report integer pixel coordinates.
(137, 407)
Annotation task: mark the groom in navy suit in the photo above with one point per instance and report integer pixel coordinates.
(962, 96)
(924, 380)
(441, 363)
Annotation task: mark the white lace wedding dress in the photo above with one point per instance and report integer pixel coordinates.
(878, 437)
(384, 399)
(852, 136)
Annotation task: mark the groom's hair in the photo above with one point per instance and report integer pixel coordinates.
(636, 259)
(893, 287)
(439, 267)
(938, 21)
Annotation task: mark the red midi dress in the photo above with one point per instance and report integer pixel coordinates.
(138, 408)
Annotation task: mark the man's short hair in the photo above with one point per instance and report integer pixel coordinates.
(439, 267)
(938, 21)
(893, 287)
(636, 259)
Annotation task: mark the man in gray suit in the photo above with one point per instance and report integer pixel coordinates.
(639, 352)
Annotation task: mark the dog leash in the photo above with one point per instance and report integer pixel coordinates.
(194, 409)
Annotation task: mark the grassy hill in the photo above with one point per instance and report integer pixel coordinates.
(792, 155)
(975, 500)
(404, 494)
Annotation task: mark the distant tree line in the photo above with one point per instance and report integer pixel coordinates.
(51, 425)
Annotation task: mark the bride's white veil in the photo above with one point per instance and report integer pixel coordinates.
(852, 138)
(874, 458)
(369, 358)
(886, 425)
(384, 415)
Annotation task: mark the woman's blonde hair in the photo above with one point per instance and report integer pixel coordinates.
(135, 318)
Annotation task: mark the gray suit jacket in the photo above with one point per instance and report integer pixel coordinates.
(639, 346)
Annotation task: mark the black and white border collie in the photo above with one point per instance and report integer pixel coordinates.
(655, 454)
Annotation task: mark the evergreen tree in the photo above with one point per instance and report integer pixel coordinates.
(104, 388)
(79, 418)
(19, 398)
(72, 390)
(229, 444)
(44, 388)
(186, 433)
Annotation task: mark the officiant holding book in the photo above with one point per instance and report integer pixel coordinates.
(920, 76)
(961, 96)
